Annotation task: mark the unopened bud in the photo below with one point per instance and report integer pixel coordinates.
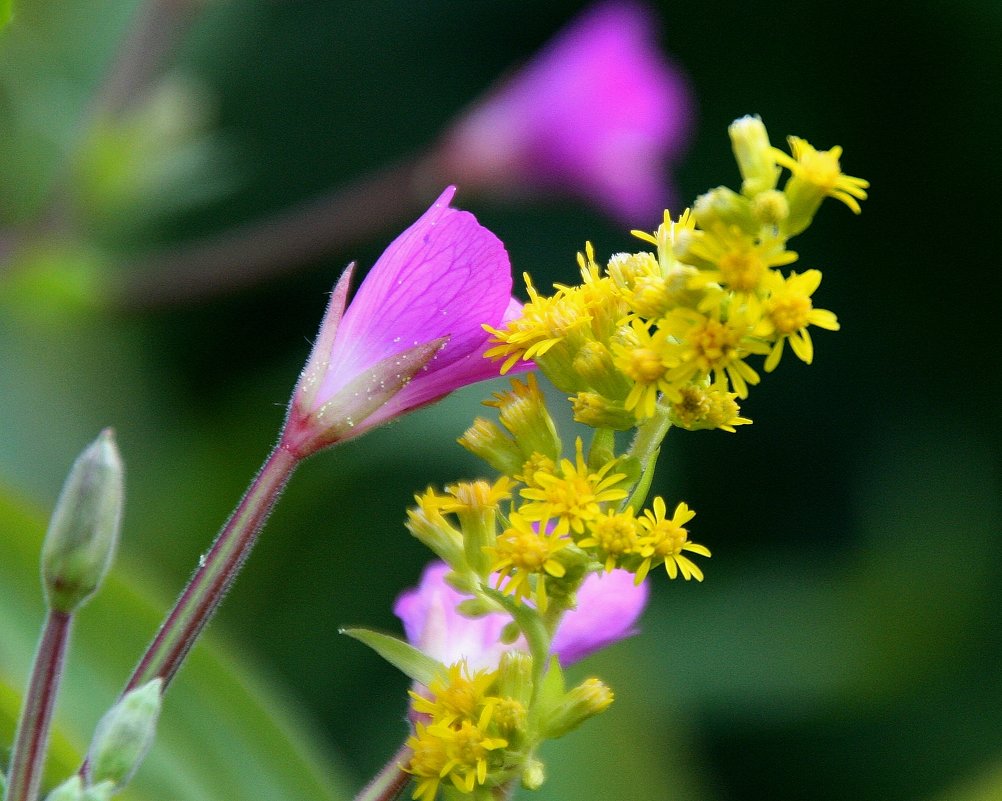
(515, 676)
(70, 790)
(490, 443)
(594, 364)
(522, 410)
(591, 409)
(99, 792)
(584, 701)
(756, 161)
(83, 531)
(723, 207)
(124, 735)
(771, 208)
(533, 774)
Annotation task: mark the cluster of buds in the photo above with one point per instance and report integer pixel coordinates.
(547, 561)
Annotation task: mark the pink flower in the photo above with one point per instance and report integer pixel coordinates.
(412, 333)
(609, 605)
(599, 113)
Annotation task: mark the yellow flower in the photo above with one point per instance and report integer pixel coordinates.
(455, 695)
(736, 260)
(708, 345)
(544, 323)
(647, 360)
(613, 535)
(703, 406)
(821, 169)
(460, 753)
(523, 552)
(664, 541)
(787, 313)
(468, 749)
(428, 757)
(571, 495)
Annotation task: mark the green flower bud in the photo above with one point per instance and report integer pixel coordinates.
(584, 701)
(83, 531)
(124, 735)
(592, 409)
(533, 774)
(756, 161)
(486, 440)
(69, 790)
(515, 676)
(724, 207)
(99, 792)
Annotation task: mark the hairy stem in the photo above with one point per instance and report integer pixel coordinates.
(28, 755)
(216, 571)
(390, 781)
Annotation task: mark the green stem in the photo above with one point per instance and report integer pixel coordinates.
(215, 573)
(647, 441)
(390, 781)
(31, 742)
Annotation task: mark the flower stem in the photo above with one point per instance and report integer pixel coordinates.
(650, 434)
(28, 755)
(390, 781)
(215, 573)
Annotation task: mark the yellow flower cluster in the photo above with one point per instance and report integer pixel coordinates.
(645, 342)
(461, 737)
(673, 331)
(475, 731)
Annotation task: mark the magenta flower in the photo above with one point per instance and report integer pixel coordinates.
(599, 113)
(607, 610)
(412, 333)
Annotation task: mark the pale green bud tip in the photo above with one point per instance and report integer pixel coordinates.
(124, 735)
(99, 792)
(584, 701)
(533, 774)
(83, 531)
(70, 790)
(756, 161)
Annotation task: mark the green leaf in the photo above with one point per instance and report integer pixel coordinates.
(413, 663)
(224, 732)
(6, 12)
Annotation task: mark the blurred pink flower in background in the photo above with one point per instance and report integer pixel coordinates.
(609, 605)
(599, 113)
(412, 333)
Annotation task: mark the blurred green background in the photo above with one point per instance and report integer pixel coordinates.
(846, 642)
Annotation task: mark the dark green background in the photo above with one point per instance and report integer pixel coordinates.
(846, 641)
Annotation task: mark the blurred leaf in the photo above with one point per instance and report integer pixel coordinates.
(413, 663)
(985, 787)
(6, 12)
(224, 732)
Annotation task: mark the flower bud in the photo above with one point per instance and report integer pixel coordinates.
(486, 440)
(771, 208)
(515, 676)
(724, 207)
(755, 157)
(83, 531)
(69, 790)
(533, 774)
(591, 409)
(124, 735)
(522, 410)
(594, 364)
(584, 701)
(99, 792)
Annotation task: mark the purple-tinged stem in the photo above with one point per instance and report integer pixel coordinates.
(216, 571)
(390, 781)
(28, 756)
